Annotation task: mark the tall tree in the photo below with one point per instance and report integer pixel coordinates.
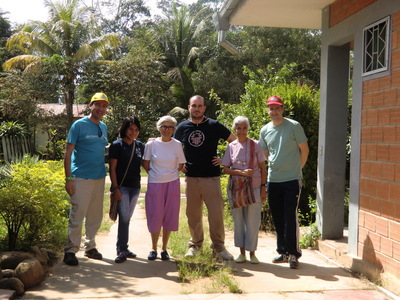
(70, 38)
(178, 34)
(277, 47)
(122, 16)
(5, 28)
(5, 33)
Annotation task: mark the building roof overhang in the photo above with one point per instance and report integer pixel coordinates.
(305, 14)
(274, 13)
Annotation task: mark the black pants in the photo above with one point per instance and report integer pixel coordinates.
(283, 199)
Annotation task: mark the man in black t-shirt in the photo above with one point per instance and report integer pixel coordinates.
(200, 136)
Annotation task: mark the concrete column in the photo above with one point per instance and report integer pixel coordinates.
(332, 140)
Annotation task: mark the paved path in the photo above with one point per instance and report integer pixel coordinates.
(317, 277)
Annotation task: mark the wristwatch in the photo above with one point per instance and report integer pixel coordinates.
(113, 188)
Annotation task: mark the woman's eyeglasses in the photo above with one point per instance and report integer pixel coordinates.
(167, 127)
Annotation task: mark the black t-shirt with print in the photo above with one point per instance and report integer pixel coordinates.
(200, 143)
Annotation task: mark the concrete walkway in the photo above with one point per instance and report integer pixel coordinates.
(316, 278)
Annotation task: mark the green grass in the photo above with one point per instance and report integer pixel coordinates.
(202, 265)
(107, 222)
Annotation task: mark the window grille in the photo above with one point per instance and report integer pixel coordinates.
(376, 47)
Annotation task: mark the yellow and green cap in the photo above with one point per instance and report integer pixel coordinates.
(99, 97)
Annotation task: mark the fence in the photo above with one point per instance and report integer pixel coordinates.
(13, 148)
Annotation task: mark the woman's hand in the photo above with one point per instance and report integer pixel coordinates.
(118, 194)
(183, 169)
(216, 161)
(263, 194)
(247, 172)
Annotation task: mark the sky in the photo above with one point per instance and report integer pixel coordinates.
(21, 11)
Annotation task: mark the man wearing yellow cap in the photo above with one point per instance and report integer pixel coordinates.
(85, 177)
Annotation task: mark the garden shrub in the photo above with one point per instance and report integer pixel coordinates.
(34, 205)
(228, 219)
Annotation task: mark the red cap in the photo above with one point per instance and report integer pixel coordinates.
(274, 100)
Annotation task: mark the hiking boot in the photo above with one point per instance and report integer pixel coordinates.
(121, 257)
(152, 255)
(225, 255)
(93, 253)
(280, 259)
(130, 254)
(192, 252)
(293, 261)
(164, 255)
(70, 259)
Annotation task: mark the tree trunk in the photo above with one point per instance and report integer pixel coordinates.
(69, 102)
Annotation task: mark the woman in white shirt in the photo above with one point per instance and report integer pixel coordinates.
(163, 159)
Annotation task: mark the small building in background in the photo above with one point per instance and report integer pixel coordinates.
(54, 113)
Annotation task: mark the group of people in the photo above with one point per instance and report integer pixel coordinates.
(191, 148)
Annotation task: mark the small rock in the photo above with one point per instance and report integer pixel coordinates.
(8, 273)
(40, 255)
(13, 284)
(30, 272)
(10, 260)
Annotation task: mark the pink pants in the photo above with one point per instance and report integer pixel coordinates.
(162, 206)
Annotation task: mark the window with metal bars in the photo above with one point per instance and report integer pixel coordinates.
(376, 47)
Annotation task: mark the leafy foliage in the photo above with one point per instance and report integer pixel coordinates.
(54, 149)
(5, 33)
(135, 86)
(266, 46)
(309, 237)
(34, 205)
(5, 27)
(12, 128)
(122, 16)
(17, 99)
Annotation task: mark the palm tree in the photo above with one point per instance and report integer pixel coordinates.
(179, 42)
(70, 38)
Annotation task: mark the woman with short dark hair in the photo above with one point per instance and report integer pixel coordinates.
(125, 161)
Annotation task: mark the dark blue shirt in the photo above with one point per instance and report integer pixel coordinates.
(122, 152)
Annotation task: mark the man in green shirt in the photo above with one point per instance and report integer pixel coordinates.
(286, 149)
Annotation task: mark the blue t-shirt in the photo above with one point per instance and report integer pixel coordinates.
(90, 140)
(200, 143)
(282, 143)
(122, 152)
